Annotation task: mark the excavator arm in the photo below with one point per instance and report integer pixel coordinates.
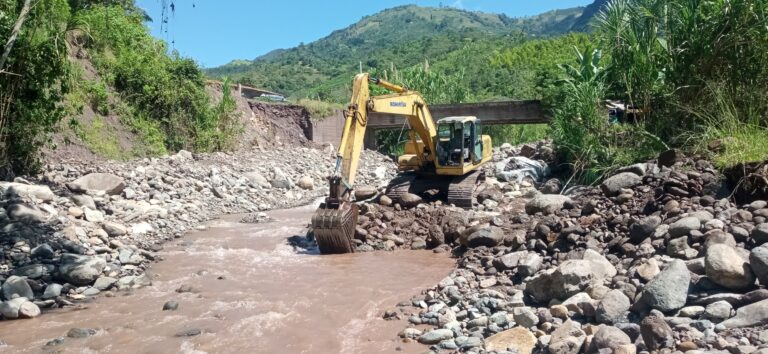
(335, 220)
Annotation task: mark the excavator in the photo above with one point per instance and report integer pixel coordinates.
(445, 155)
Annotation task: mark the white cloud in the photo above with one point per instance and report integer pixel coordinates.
(459, 4)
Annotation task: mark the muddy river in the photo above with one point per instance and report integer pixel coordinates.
(251, 293)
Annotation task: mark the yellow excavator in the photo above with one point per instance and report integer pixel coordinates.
(445, 155)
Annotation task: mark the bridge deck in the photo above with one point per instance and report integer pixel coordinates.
(507, 112)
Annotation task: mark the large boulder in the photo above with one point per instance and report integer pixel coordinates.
(280, 180)
(11, 308)
(306, 182)
(612, 308)
(29, 191)
(256, 179)
(755, 314)
(725, 267)
(684, 226)
(570, 277)
(612, 185)
(98, 182)
(365, 192)
(567, 339)
(81, 270)
(612, 340)
(758, 259)
(518, 340)
(435, 336)
(546, 203)
(668, 291)
(656, 333)
(760, 233)
(409, 200)
(16, 286)
(489, 237)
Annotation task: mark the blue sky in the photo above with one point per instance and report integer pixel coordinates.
(215, 32)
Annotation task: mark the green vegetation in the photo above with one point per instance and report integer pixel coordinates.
(161, 97)
(318, 109)
(398, 37)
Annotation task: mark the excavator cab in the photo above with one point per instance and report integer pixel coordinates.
(459, 141)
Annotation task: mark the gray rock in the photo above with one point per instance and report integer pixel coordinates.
(488, 237)
(84, 201)
(718, 311)
(758, 259)
(81, 270)
(644, 228)
(98, 182)
(280, 180)
(32, 271)
(94, 216)
(610, 338)
(16, 286)
(546, 203)
(612, 308)
(464, 342)
(760, 233)
(25, 213)
(668, 291)
(28, 309)
(614, 184)
(43, 251)
(435, 336)
(29, 191)
(80, 332)
(725, 267)
(567, 339)
(170, 306)
(656, 333)
(678, 247)
(114, 229)
(409, 200)
(365, 192)
(306, 182)
(257, 180)
(52, 291)
(571, 277)
(747, 316)
(104, 283)
(525, 317)
(684, 226)
(10, 309)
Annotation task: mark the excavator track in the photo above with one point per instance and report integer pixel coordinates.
(334, 229)
(462, 188)
(399, 186)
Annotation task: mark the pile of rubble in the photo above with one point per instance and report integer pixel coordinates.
(656, 258)
(78, 230)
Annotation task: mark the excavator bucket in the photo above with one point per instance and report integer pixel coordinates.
(335, 228)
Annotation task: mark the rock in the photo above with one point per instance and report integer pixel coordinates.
(32, 271)
(28, 310)
(747, 316)
(546, 203)
(104, 283)
(93, 216)
(684, 226)
(656, 333)
(16, 286)
(409, 200)
(280, 180)
(668, 291)
(691, 311)
(551, 186)
(725, 267)
(517, 340)
(43, 251)
(669, 158)
(385, 201)
(84, 201)
(98, 182)
(141, 228)
(80, 332)
(170, 306)
(365, 192)
(257, 180)
(644, 228)
(488, 237)
(526, 263)
(718, 311)
(11, 308)
(189, 332)
(114, 229)
(28, 191)
(581, 304)
(758, 259)
(678, 247)
(571, 277)
(81, 270)
(567, 339)
(435, 336)
(306, 182)
(610, 338)
(648, 270)
(612, 308)
(614, 184)
(760, 234)
(52, 291)
(525, 317)
(25, 213)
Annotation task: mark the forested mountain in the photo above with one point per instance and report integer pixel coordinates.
(398, 37)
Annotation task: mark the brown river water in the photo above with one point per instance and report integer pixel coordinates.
(252, 294)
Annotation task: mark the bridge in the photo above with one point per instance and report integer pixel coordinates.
(246, 91)
(329, 129)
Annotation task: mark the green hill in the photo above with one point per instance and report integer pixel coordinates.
(401, 37)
